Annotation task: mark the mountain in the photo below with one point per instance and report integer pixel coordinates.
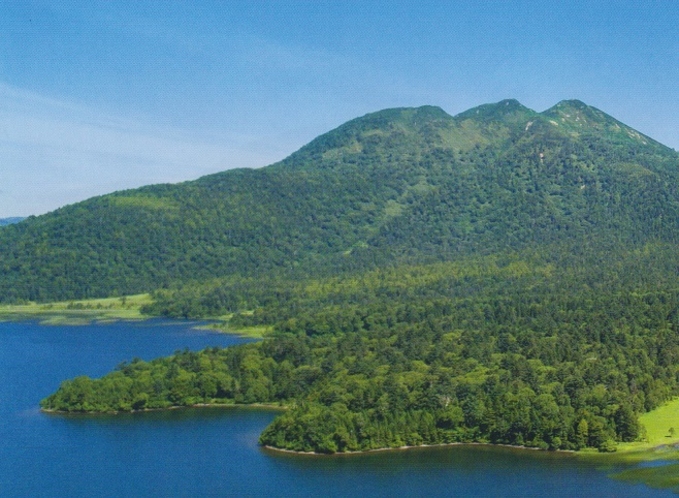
(9, 221)
(399, 185)
(499, 276)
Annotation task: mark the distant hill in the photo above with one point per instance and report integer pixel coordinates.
(400, 185)
(10, 221)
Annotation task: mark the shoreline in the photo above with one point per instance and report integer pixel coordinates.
(254, 406)
(83, 317)
(628, 455)
(403, 448)
(642, 454)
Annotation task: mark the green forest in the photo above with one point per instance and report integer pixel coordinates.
(500, 350)
(499, 276)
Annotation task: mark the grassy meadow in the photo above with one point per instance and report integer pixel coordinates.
(660, 447)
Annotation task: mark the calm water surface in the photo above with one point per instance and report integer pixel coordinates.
(214, 452)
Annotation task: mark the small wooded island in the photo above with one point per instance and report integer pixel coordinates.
(500, 276)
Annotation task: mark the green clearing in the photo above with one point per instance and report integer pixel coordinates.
(659, 445)
(221, 325)
(659, 437)
(659, 422)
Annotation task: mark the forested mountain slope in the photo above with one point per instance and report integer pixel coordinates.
(396, 186)
(500, 276)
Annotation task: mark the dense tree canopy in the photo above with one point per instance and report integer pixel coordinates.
(500, 276)
(489, 349)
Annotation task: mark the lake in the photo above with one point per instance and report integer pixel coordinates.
(214, 451)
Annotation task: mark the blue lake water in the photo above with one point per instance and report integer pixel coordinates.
(214, 451)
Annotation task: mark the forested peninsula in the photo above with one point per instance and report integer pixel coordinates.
(501, 276)
(522, 356)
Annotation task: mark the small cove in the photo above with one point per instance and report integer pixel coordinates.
(214, 452)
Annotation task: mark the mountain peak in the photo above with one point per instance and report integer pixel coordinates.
(578, 114)
(575, 117)
(399, 115)
(396, 127)
(572, 103)
(509, 111)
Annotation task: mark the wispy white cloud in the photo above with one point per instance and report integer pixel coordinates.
(55, 152)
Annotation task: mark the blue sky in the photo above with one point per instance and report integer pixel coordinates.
(102, 96)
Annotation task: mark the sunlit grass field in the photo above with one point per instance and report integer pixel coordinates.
(662, 430)
(658, 446)
(662, 424)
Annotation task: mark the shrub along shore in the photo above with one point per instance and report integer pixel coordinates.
(78, 312)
